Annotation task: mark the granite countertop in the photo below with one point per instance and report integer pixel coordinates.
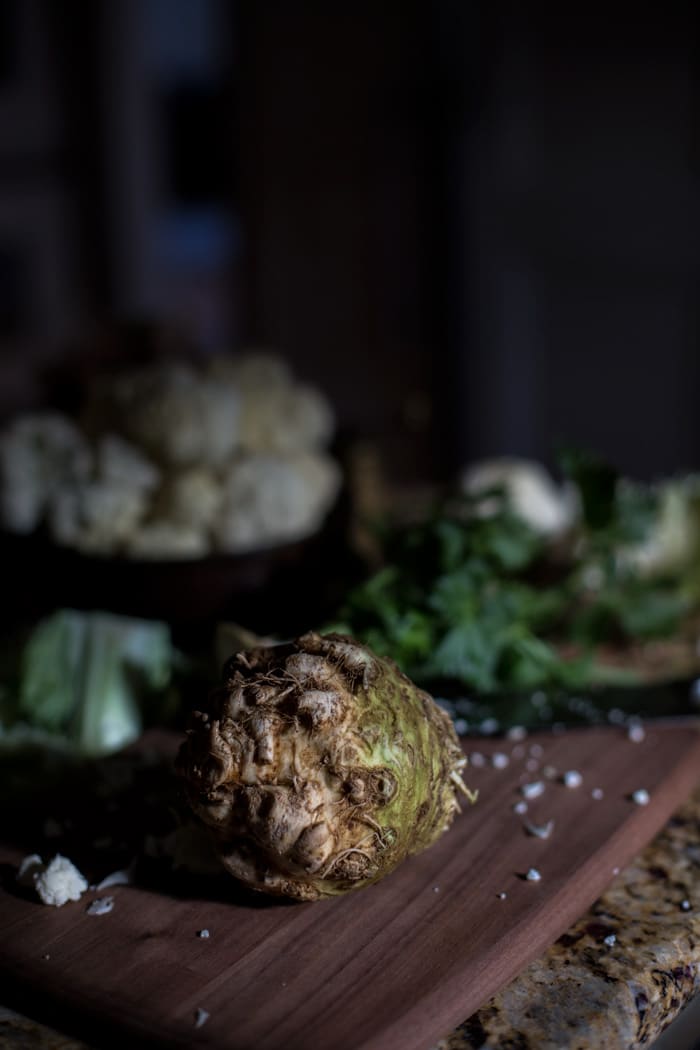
(616, 978)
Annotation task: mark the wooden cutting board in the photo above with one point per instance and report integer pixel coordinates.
(394, 966)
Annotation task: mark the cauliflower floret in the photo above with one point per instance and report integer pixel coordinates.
(164, 539)
(178, 416)
(60, 882)
(285, 419)
(96, 517)
(531, 492)
(192, 497)
(39, 453)
(674, 540)
(119, 463)
(270, 499)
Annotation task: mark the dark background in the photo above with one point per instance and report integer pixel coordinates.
(475, 225)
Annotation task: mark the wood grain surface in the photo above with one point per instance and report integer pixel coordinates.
(396, 965)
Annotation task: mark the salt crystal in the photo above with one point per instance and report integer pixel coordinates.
(461, 726)
(100, 906)
(520, 807)
(685, 905)
(477, 760)
(536, 750)
(597, 794)
(609, 940)
(489, 726)
(516, 733)
(499, 760)
(201, 1017)
(532, 765)
(540, 831)
(636, 734)
(501, 896)
(572, 778)
(641, 797)
(550, 772)
(203, 934)
(533, 875)
(532, 790)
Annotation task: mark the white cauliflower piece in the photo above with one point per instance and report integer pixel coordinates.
(270, 499)
(120, 463)
(39, 453)
(532, 494)
(178, 416)
(163, 539)
(96, 517)
(192, 497)
(251, 371)
(285, 419)
(674, 541)
(60, 882)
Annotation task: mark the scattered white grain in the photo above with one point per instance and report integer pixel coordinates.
(499, 760)
(532, 765)
(47, 956)
(572, 778)
(685, 905)
(100, 906)
(201, 1017)
(540, 831)
(536, 750)
(597, 794)
(636, 734)
(616, 871)
(532, 790)
(516, 733)
(641, 797)
(477, 760)
(501, 896)
(549, 772)
(610, 940)
(461, 726)
(533, 875)
(203, 934)
(489, 726)
(520, 807)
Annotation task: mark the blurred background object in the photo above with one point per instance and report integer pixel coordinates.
(473, 226)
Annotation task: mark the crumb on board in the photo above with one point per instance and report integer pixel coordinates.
(641, 797)
(533, 875)
(532, 790)
(572, 778)
(100, 906)
(201, 1017)
(540, 831)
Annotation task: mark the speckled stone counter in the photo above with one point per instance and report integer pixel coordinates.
(620, 975)
(615, 980)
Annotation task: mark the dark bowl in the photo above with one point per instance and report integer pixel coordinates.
(289, 587)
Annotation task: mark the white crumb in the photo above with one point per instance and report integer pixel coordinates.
(477, 760)
(532, 790)
(641, 797)
(597, 794)
(100, 906)
(499, 760)
(540, 831)
(201, 1017)
(520, 807)
(572, 778)
(203, 934)
(516, 733)
(609, 940)
(501, 896)
(533, 875)
(549, 772)
(636, 734)
(60, 882)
